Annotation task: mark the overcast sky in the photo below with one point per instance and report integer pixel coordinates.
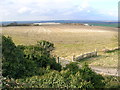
(19, 10)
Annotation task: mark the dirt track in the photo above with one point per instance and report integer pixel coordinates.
(99, 70)
(105, 71)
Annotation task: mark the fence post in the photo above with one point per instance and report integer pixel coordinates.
(96, 52)
(58, 59)
(73, 58)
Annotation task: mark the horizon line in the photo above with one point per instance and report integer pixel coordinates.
(59, 20)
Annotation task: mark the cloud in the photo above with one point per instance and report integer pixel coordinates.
(23, 10)
(85, 4)
(57, 9)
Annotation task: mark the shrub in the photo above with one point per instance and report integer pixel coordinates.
(90, 76)
(40, 55)
(23, 61)
(63, 79)
(14, 63)
(48, 46)
(76, 81)
(73, 67)
(112, 81)
(85, 74)
(50, 80)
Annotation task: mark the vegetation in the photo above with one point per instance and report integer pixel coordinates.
(14, 63)
(83, 78)
(107, 60)
(21, 61)
(34, 67)
(15, 24)
(112, 81)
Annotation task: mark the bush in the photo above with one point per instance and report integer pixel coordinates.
(73, 67)
(112, 81)
(90, 76)
(40, 54)
(14, 63)
(53, 79)
(63, 79)
(76, 81)
(48, 46)
(23, 61)
(85, 73)
(50, 80)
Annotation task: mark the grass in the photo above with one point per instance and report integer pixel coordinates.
(68, 43)
(103, 60)
(112, 82)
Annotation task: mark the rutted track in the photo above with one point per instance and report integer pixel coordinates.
(99, 70)
(105, 71)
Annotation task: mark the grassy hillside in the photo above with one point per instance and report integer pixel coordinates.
(69, 40)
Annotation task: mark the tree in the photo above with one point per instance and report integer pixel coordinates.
(13, 24)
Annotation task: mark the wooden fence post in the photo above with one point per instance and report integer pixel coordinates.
(58, 59)
(73, 58)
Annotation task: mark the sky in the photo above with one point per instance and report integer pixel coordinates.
(27, 10)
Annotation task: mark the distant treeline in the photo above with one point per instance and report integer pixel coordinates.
(108, 24)
(16, 24)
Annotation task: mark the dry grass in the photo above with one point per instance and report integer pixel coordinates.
(103, 60)
(69, 40)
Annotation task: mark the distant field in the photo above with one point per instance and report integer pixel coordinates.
(69, 40)
(108, 24)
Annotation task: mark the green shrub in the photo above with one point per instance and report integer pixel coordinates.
(10, 83)
(63, 79)
(112, 81)
(48, 46)
(41, 55)
(90, 76)
(50, 80)
(24, 61)
(14, 63)
(85, 73)
(73, 67)
(76, 81)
